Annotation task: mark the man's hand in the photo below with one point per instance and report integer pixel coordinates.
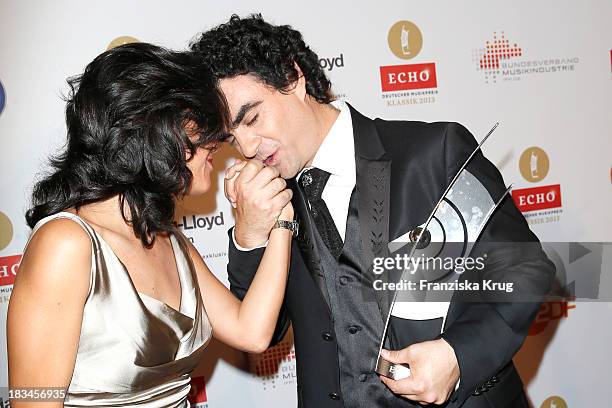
(259, 196)
(434, 372)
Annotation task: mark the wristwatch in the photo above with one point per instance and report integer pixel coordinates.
(292, 226)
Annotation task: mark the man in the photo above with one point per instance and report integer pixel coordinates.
(359, 184)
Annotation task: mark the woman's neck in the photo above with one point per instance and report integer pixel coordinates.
(107, 214)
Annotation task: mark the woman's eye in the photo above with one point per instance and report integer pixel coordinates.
(252, 121)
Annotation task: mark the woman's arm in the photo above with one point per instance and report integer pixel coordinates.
(46, 309)
(249, 325)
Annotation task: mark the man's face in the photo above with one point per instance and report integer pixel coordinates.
(278, 129)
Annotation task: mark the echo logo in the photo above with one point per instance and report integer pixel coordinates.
(8, 269)
(537, 198)
(406, 77)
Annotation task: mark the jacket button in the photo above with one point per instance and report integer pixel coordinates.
(344, 280)
(334, 396)
(327, 337)
(354, 329)
(363, 377)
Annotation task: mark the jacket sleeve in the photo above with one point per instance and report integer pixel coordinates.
(489, 332)
(241, 270)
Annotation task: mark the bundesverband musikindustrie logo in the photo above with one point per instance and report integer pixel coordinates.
(501, 60)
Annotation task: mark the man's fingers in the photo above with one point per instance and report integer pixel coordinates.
(250, 170)
(396, 356)
(264, 176)
(406, 387)
(274, 187)
(413, 390)
(234, 168)
(229, 187)
(281, 199)
(229, 183)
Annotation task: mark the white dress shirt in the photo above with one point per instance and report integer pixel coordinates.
(336, 155)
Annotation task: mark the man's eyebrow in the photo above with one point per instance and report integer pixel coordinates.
(244, 109)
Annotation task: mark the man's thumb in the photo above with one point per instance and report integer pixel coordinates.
(394, 356)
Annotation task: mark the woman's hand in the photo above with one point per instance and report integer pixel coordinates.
(287, 212)
(231, 174)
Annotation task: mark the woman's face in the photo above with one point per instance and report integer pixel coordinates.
(201, 165)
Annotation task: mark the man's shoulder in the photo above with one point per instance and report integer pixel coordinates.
(412, 129)
(402, 135)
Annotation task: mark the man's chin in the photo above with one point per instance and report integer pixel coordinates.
(287, 174)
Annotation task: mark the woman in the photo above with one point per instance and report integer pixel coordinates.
(112, 304)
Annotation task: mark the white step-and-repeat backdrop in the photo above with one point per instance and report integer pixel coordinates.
(542, 69)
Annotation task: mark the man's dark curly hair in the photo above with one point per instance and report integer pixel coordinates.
(252, 46)
(134, 118)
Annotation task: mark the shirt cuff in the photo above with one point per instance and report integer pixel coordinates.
(457, 386)
(238, 247)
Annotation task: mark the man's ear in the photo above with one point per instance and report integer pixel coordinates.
(299, 86)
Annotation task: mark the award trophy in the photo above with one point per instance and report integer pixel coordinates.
(451, 230)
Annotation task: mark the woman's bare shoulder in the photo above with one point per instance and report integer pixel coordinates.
(58, 256)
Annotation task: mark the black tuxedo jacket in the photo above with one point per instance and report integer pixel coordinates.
(403, 169)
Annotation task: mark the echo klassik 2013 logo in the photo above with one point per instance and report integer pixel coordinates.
(405, 41)
(534, 165)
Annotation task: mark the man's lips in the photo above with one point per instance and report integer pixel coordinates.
(269, 161)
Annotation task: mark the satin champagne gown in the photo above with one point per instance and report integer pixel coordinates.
(134, 350)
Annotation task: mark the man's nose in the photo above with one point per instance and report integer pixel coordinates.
(249, 145)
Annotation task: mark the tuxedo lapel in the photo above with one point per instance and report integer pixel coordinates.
(306, 239)
(373, 188)
(373, 172)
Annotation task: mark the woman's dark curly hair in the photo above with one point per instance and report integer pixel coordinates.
(252, 46)
(126, 118)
